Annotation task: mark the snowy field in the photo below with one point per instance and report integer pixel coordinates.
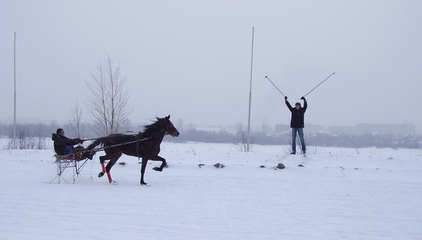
(340, 193)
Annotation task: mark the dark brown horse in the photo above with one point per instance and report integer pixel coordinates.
(145, 145)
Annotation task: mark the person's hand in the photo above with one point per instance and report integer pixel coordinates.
(285, 98)
(303, 98)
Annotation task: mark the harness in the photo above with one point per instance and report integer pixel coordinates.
(125, 143)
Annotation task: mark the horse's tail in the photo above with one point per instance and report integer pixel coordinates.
(95, 143)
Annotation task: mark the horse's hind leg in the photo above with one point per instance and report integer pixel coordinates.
(113, 159)
(102, 161)
(104, 168)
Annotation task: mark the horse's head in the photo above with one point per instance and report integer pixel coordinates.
(168, 126)
(162, 125)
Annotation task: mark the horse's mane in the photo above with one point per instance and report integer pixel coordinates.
(153, 127)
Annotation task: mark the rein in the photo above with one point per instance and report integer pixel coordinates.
(135, 141)
(125, 143)
(92, 139)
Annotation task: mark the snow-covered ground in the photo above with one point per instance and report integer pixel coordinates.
(339, 194)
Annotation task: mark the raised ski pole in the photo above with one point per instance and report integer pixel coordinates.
(319, 84)
(275, 85)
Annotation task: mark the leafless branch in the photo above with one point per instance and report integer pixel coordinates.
(108, 100)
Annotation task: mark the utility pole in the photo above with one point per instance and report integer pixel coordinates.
(14, 96)
(248, 134)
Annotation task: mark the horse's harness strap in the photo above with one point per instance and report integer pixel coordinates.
(125, 143)
(137, 141)
(137, 147)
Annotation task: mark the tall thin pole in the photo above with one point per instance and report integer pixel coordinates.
(250, 99)
(14, 99)
(275, 86)
(319, 84)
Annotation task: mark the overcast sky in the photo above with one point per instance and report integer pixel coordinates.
(191, 59)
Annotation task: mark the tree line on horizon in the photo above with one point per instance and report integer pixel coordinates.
(33, 136)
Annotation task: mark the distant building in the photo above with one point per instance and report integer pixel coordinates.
(398, 130)
(384, 129)
(309, 128)
(281, 128)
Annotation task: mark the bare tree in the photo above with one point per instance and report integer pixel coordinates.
(242, 139)
(39, 140)
(26, 139)
(108, 101)
(75, 120)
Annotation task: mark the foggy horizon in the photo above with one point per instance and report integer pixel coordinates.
(402, 128)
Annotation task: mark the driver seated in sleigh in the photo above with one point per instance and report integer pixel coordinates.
(64, 147)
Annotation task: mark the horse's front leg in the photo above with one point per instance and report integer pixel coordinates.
(163, 163)
(143, 167)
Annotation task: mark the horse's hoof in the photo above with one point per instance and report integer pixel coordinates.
(100, 174)
(158, 169)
